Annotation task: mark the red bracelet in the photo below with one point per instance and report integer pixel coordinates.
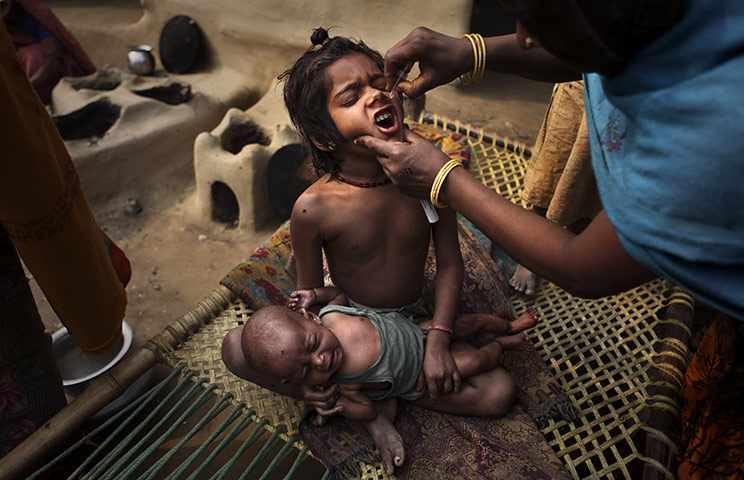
(442, 328)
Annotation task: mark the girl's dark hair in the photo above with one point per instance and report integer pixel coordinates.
(305, 94)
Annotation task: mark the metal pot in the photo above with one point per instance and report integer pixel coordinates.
(140, 60)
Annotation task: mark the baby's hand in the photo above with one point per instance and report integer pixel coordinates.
(322, 416)
(325, 401)
(322, 399)
(301, 299)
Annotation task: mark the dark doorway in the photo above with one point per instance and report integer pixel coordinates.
(225, 208)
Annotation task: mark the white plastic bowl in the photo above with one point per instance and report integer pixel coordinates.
(78, 368)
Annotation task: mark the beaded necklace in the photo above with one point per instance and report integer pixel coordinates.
(361, 184)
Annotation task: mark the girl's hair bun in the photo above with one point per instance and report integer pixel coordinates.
(319, 36)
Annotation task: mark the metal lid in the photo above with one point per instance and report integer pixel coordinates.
(180, 42)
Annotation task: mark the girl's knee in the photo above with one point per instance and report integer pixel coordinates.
(502, 395)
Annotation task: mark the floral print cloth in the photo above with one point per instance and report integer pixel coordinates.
(30, 385)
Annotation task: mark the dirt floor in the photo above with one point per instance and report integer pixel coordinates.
(178, 259)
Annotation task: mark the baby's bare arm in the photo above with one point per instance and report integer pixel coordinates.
(332, 296)
(301, 299)
(356, 404)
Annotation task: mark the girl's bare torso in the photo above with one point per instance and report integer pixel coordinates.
(376, 241)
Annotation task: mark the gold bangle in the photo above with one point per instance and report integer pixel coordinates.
(479, 62)
(439, 181)
(482, 44)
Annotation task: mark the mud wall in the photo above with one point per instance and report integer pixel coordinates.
(245, 45)
(260, 38)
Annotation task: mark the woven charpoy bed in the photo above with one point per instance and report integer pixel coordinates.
(620, 360)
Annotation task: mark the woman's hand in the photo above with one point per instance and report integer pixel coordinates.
(440, 371)
(440, 58)
(412, 166)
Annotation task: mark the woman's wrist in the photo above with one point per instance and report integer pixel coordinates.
(466, 59)
(474, 76)
(439, 181)
(449, 188)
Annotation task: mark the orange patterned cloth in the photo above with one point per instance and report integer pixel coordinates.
(712, 441)
(47, 217)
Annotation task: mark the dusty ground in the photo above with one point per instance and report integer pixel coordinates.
(178, 259)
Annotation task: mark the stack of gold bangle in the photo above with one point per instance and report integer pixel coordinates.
(439, 180)
(479, 50)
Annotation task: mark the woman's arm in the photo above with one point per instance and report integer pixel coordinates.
(47, 77)
(442, 59)
(505, 55)
(590, 264)
(440, 370)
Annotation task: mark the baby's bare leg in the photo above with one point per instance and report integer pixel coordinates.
(468, 324)
(385, 436)
(490, 394)
(471, 361)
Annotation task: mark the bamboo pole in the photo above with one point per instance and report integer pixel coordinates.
(107, 388)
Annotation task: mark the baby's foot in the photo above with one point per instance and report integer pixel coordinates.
(520, 342)
(523, 281)
(527, 320)
(386, 437)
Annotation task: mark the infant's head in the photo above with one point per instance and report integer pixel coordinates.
(292, 347)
